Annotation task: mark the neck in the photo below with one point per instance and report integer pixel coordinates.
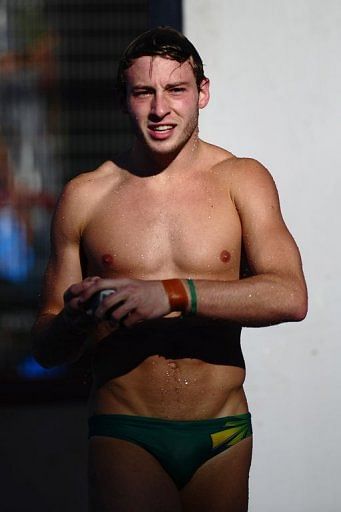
(144, 162)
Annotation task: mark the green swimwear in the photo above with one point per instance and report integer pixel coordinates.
(181, 447)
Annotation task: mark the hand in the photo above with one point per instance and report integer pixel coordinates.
(132, 302)
(73, 311)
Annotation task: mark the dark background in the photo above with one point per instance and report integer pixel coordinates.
(58, 117)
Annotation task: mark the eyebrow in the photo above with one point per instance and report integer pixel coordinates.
(168, 86)
(176, 84)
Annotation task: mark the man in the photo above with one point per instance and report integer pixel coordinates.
(168, 229)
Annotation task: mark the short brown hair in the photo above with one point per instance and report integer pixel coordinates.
(164, 42)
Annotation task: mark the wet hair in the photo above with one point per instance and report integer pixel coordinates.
(164, 42)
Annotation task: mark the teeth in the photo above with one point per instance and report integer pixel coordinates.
(162, 128)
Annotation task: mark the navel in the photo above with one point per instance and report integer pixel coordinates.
(225, 256)
(172, 364)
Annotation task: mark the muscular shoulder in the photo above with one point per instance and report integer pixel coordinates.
(250, 185)
(244, 176)
(97, 182)
(239, 168)
(81, 195)
(252, 189)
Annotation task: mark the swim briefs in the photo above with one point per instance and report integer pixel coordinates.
(181, 447)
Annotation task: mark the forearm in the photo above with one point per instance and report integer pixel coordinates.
(260, 300)
(55, 341)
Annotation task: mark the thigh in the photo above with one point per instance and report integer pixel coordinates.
(124, 477)
(221, 483)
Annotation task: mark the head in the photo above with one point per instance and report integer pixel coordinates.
(163, 42)
(162, 86)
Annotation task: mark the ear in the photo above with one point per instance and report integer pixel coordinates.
(204, 93)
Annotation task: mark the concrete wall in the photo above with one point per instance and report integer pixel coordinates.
(276, 82)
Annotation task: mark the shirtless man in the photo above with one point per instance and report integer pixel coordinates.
(166, 228)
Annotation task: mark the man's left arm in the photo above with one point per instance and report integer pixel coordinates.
(276, 292)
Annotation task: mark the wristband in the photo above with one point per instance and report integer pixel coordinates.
(177, 294)
(194, 299)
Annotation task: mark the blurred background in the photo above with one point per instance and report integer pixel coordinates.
(58, 117)
(275, 83)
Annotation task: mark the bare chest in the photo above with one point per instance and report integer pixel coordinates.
(138, 232)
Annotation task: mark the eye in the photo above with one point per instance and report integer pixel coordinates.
(141, 93)
(177, 90)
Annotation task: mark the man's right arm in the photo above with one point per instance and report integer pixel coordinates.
(55, 341)
(60, 331)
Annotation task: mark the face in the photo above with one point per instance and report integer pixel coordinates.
(163, 102)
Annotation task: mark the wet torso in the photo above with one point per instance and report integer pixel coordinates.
(161, 227)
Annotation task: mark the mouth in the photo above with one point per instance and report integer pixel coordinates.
(160, 131)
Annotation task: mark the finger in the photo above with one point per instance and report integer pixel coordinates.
(69, 294)
(94, 287)
(88, 281)
(92, 304)
(73, 307)
(77, 288)
(123, 310)
(72, 303)
(106, 284)
(132, 319)
(111, 302)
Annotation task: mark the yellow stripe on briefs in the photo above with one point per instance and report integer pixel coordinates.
(230, 436)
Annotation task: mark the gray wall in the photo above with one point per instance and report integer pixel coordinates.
(276, 82)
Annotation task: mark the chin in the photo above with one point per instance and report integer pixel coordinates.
(165, 147)
(165, 150)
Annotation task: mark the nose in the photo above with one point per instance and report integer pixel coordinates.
(159, 106)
